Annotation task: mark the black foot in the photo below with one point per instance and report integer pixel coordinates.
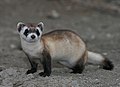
(78, 69)
(43, 74)
(31, 71)
(76, 72)
(108, 65)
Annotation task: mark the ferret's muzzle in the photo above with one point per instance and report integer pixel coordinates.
(32, 37)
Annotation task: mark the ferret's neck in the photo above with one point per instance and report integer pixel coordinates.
(31, 46)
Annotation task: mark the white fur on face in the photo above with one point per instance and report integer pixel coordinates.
(22, 32)
(28, 38)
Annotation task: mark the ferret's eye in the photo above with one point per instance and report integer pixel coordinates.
(37, 32)
(26, 32)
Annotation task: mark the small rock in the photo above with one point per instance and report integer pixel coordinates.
(11, 71)
(93, 37)
(68, 8)
(2, 68)
(74, 84)
(53, 14)
(18, 83)
(97, 81)
(109, 35)
(105, 54)
(12, 46)
(29, 76)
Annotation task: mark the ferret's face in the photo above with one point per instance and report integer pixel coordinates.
(29, 32)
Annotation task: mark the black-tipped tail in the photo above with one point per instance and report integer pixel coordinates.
(98, 59)
(107, 64)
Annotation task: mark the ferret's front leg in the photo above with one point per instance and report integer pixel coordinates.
(46, 62)
(33, 66)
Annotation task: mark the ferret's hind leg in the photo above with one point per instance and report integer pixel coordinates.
(79, 67)
(80, 64)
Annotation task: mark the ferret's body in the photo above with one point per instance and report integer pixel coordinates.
(65, 46)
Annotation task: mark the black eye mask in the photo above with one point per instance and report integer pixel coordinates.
(26, 32)
(37, 32)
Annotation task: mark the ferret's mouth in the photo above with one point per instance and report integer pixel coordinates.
(32, 40)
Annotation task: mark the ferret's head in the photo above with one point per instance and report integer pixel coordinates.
(30, 32)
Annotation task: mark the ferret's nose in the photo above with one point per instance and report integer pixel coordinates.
(33, 36)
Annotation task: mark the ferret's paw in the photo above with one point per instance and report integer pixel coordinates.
(43, 74)
(31, 71)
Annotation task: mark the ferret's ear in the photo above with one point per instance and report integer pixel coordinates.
(20, 25)
(41, 26)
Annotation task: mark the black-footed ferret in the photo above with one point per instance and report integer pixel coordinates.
(65, 46)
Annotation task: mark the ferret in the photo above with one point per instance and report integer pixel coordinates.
(64, 46)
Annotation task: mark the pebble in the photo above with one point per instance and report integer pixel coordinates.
(18, 83)
(29, 76)
(2, 68)
(109, 35)
(74, 84)
(68, 8)
(53, 14)
(93, 37)
(11, 71)
(12, 46)
(105, 54)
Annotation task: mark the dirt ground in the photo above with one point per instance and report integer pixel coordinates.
(100, 30)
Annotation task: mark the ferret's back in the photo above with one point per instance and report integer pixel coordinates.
(62, 34)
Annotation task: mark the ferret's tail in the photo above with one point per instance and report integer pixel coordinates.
(98, 59)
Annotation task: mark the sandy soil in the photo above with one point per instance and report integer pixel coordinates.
(100, 30)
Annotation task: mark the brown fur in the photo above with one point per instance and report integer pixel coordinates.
(83, 58)
(58, 36)
(30, 25)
